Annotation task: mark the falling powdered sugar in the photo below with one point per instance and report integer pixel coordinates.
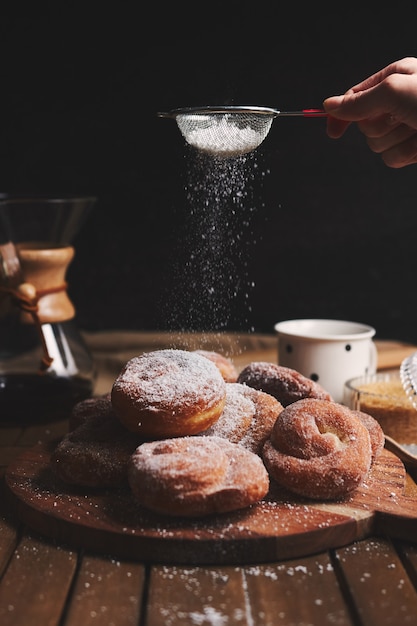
(210, 287)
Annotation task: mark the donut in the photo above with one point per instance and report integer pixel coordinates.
(168, 393)
(97, 405)
(196, 476)
(248, 417)
(225, 365)
(318, 449)
(285, 384)
(376, 433)
(96, 453)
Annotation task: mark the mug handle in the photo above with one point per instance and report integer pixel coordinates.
(373, 361)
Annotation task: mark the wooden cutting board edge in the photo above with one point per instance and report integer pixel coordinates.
(328, 525)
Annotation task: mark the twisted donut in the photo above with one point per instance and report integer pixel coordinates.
(285, 384)
(318, 449)
(248, 417)
(375, 433)
(196, 476)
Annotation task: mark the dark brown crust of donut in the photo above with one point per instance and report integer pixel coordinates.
(283, 383)
(168, 393)
(318, 449)
(199, 476)
(90, 407)
(96, 453)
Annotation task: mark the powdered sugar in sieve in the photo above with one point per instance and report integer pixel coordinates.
(229, 131)
(224, 135)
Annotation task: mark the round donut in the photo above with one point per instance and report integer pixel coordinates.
(375, 432)
(96, 453)
(168, 393)
(247, 418)
(89, 407)
(318, 449)
(225, 365)
(285, 384)
(196, 476)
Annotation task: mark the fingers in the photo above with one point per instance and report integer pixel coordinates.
(401, 154)
(335, 127)
(354, 106)
(384, 140)
(384, 106)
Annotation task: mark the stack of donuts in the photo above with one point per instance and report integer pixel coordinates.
(190, 436)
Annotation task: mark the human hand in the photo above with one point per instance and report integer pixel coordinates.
(384, 106)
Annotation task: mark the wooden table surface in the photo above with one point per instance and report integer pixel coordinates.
(45, 583)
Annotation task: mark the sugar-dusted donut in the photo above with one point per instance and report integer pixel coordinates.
(196, 476)
(247, 418)
(168, 393)
(375, 432)
(285, 384)
(225, 365)
(96, 453)
(90, 407)
(318, 449)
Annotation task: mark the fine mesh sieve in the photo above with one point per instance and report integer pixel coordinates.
(229, 131)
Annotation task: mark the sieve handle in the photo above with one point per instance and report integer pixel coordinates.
(303, 113)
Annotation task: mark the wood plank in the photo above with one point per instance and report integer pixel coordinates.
(33, 434)
(107, 591)
(8, 541)
(392, 353)
(408, 552)
(191, 595)
(9, 454)
(304, 591)
(35, 585)
(8, 531)
(9, 435)
(281, 526)
(378, 583)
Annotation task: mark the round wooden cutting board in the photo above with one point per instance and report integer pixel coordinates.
(282, 526)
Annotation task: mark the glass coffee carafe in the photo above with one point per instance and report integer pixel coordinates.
(45, 365)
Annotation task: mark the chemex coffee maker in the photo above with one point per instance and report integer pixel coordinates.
(45, 365)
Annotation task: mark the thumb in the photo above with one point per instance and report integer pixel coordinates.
(333, 103)
(354, 106)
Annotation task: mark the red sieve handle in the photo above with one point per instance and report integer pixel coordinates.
(303, 113)
(314, 113)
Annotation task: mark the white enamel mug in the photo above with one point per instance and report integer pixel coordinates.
(329, 352)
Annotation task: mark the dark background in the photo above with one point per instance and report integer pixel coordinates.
(305, 227)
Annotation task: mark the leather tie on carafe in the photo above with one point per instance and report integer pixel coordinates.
(27, 296)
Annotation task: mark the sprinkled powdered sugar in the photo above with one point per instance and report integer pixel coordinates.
(248, 417)
(196, 476)
(175, 378)
(96, 453)
(236, 417)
